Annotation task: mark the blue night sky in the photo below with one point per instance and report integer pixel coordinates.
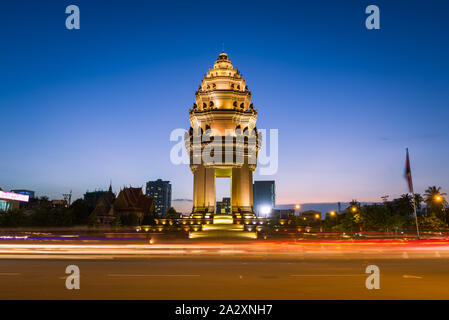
(82, 107)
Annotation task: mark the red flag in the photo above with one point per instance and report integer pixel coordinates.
(408, 173)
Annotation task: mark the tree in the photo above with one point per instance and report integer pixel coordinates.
(436, 202)
(148, 219)
(351, 218)
(374, 216)
(117, 223)
(431, 195)
(13, 218)
(93, 220)
(44, 199)
(171, 214)
(396, 221)
(403, 206)
(330, 222)
(42, 214)
(62, 217)
(418, 200)
(80, 211)
(431, 222)
(130, 219)
(296, 221)
(354, 204)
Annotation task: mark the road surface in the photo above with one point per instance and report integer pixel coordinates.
(214, 270)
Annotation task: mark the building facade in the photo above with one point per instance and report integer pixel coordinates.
(282, 213)
(224, 206)
(264, 196)
(29, 193)
(11, 200)
(311, 215)
(161, 192)
(131, 201)
(91, 198)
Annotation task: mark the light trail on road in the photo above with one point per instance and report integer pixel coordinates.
(283, 249)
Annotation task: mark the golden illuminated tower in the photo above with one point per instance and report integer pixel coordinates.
(223, 140)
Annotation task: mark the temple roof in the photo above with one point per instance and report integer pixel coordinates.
(133, 199)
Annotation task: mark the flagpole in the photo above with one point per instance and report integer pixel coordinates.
(413, 193)
(416, 217)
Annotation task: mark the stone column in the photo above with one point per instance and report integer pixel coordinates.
(235, 189)
(246, 186)
(198, 189)
(210, 190)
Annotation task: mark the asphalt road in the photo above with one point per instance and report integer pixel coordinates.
(167, 278)
(217, 271)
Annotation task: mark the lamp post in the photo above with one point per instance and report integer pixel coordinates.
(297, 207)
(439, 198)
(333, 214)
(354, 209)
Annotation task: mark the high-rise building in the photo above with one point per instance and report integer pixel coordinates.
(264, 196)
(161, 192)
(224, 206)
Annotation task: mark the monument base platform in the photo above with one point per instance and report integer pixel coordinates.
(223, 226)
(222, 234)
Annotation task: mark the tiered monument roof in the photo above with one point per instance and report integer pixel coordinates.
(223, 87)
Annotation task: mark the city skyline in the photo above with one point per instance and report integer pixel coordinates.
(87, 116)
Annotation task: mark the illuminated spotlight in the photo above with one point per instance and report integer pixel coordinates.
(265, 210)
(354, 209)
(317, 216)
(332, 213)
(297, 207)
(438, 198)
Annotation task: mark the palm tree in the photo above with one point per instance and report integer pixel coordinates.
(418, 200)
(431, 195)
(354, 203)
(436, 202)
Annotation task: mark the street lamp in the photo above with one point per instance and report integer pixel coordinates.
(297, 207)
(333, 214)
(265, 210)
(438, 198)
(354, 209)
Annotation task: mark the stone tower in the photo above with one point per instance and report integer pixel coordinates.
(223, 140)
